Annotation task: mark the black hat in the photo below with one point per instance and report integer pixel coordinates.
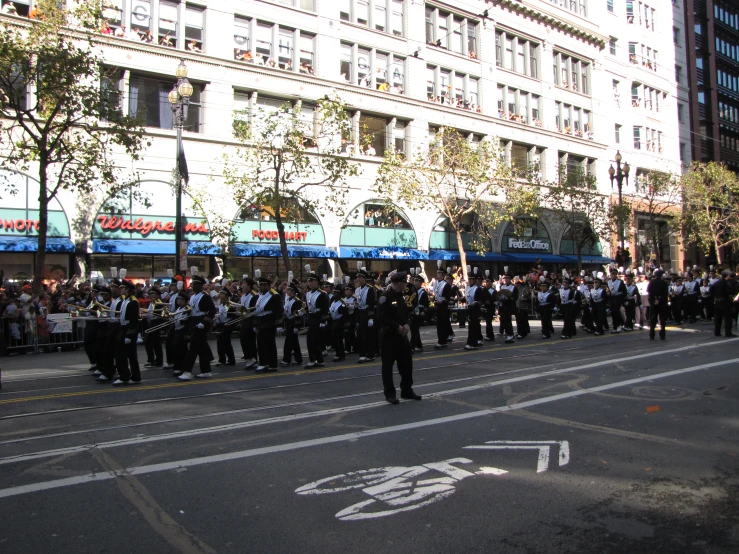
(614, 270)
(249, 281)
(361, 274)
(349, 286)
(264, 281)
(294, 286)
(399, 277)
(115, 282)
(326, 284)
(104, 290)
(197, 279)
(128, 284)
(313, 277)
(419, 277)
(155, 290)
(371, 277)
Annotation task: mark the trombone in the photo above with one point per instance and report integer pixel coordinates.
(246, 313)
(171, 318)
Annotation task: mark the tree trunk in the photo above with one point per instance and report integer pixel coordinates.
(462, 253)
(280, 225)
(43, 220)
(717, 246)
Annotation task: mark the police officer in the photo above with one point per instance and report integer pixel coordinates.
(658, 292)
(395, 340)
(722, 296)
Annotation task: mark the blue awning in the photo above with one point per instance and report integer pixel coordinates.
(544, 258)
(246, 250)
(471, 256)
(30, 244)
(164, 247)
(382, 252)
(600, 260)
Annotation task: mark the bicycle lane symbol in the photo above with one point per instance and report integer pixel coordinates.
(400, 489)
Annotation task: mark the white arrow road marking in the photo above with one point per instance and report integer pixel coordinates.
(544, 448)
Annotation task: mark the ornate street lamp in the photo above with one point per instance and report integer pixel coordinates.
(179, 98)
(619, 174)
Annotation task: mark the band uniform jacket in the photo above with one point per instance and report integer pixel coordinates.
(570, 299)
(508, 301)
(203, 311)
(475, 301)
(422, 301)
(291, 319)
(366, 301)
(268, 309)
(317, 302)
(633, 297)
(618, 290)
(129, 317)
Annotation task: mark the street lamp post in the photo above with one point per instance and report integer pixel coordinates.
(619, 174)
(179, 98)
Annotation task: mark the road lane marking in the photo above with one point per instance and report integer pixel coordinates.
(288, 447)
(320, 413)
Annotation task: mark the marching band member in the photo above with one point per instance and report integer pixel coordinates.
(598, 298)
(127, 359)
(293, 321)
(632, 301)
(508, 301)
(474, 299)
(317, 302)
(641, 310)
(489, 306)
(442, 299)
(677, 292)
(267, 309)
(107, 364)
(224, 348)
(153, 339)
(179, 344)
(546, 300)
(586, 321)
(328, 343)
(617, 290)
(692, 294)
(523, 308)
(339, 310)
(350, 341)
(92, 328)
(104, 358)
(417, 319)
(366, 296)
(174, 287)
(705, 300)
(202, 311)
(570, 301)
(247, 336)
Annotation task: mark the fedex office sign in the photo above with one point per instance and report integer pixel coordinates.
(522, 244)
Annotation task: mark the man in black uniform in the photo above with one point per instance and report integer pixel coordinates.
(92, 329)
(201, 316)
(422, 304)
(317, 303)
(489, 308)
(569, 305)
(722, 297)
(658, 292)
(109, 325)
(442, 299)
(293, 321)
(366, 302)
(268, 309)
(127, 359)
(507, 298)
(394, 340)
(247, 336)
(475, 297)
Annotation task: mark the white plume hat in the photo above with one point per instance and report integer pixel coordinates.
(307, 268)
(170, 273)
(113, 272)
(122, 273)
(194, 270)
(257, 273)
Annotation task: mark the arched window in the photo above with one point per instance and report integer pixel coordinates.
(375, 223)
(534, 238)
(292, 212)
(589, 242)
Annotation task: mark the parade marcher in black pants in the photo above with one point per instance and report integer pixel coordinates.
(92, 329)
(127, 360)
(632, 301)
(202, 312)
(268, 308)
(658, 291)
(366, 302)
(350, 320)
(523, 308)
(419, 315)
(722, 295)
(677, 297)
(326, 332)
(442, 298)
(475, 297)
(489, 307)
(394, 340)
(153, 339)
(247, 336)
(292, 322)
(569, 303)
(339, 311)
(692, 294)
(224, 347)
(179, 342)
(617, 290)
(169, 338)
(317, 302)
(598, 299)
(508, 301)
(109, 325)
(546, 301)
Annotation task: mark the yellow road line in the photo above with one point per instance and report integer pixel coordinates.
(134, 388)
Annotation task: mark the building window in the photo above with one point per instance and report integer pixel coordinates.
(194, 25)
(637, 138)
(575, 6)
(617, 136)
(519, 106)
(612, 46)
(148, 100)
(447, 30)
(632, 53)
(676, 36)
(521, 55)
(456, 89)
(386, 15)
(370, 68)
(302, 4)
(609, 5)
(579, 70)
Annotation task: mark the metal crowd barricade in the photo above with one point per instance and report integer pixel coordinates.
(19, 334)
(62, 332)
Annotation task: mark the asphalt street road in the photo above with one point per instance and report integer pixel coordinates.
(593, 444)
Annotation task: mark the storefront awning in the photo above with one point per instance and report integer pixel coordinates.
(30, 244)
(544, 258)
(163, 247)
(600, 260)
(382, 252)
(257, 250)
(471, 256)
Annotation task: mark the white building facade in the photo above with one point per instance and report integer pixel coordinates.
(555, 81)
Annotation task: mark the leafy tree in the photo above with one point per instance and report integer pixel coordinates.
(710, 216)
(288, 165)
(57, 118)
(575, 202)
(461, 180)
(658, 197)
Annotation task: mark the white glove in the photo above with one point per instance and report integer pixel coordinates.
(200, 326)
(370, 323)
(322, 325)
(296, 330)
(126, 341)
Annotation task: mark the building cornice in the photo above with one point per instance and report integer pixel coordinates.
(548, 18)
